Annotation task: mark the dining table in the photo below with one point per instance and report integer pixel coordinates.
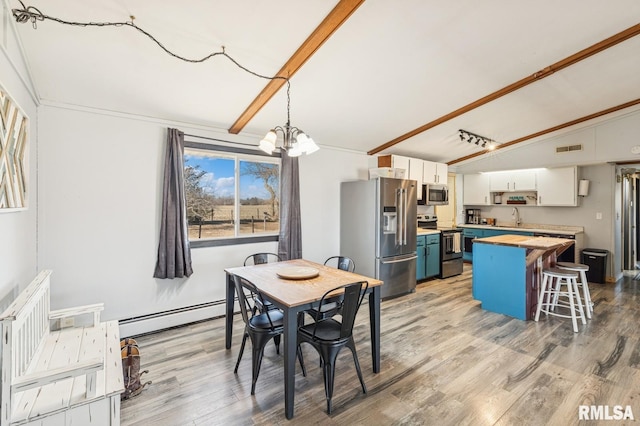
(295, 286)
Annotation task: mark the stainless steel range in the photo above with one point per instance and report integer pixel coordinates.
(450, 252)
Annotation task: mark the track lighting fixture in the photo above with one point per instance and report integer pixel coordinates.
(481, 141)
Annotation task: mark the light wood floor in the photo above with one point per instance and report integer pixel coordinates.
(445, 361)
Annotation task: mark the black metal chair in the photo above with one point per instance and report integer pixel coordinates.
(260, 328)
(333, 307)
(329, 336)
(259, 259)
(341, 262)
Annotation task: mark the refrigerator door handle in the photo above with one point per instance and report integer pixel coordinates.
(404, 259)
(404, 220)
(400, 217)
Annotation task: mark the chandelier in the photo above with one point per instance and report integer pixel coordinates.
(481, 141)
(295, 141)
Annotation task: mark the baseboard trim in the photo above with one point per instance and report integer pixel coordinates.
(167, 319)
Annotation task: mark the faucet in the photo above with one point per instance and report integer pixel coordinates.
(515, 215)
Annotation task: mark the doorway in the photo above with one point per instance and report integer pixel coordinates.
(630, 215)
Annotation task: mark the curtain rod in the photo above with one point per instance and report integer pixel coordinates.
(221, 140)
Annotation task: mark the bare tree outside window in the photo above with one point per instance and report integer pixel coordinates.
(230, 195)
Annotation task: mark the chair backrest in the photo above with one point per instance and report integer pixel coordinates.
(260, 258)
(352, 299)
(342, 262)
(245, 300)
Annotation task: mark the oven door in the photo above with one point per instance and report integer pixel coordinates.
(450, 245)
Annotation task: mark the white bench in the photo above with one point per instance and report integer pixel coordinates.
(71, 376)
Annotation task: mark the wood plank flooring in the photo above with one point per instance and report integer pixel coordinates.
(445, 361)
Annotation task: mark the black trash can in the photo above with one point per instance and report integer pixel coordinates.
(596, 259)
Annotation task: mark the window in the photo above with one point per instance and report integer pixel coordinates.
(232, 195)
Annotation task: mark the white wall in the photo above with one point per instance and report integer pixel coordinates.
(100, 178)
(18, 263)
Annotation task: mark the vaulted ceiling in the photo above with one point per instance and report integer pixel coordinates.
(375, 76)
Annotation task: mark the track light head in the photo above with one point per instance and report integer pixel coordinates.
(478, 140)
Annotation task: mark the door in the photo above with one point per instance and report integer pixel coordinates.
(398, 275)
(397, 209)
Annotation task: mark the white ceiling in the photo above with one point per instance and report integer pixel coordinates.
(392, 67)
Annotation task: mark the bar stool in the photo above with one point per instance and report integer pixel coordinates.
(581, 269)
(553, 280)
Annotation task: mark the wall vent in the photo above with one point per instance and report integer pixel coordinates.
(568, 148)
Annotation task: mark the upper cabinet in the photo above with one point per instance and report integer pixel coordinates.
(476, 189)
(394, 161)
(516, 180)
(416, 172)
(558, 187)
(419, 170)
(537, 187)
(435, 172)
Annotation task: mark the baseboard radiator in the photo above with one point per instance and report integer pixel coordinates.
(144, 324)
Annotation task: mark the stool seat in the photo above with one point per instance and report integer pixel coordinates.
(560, 273)
(573, 266)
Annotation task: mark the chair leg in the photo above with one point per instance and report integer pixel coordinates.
(255, 370)
(351, 345)
(276, 340)
(301, 360)
(329, 356)
(328, 372)
(244, 341)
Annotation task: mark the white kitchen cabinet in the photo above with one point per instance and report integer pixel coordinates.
(476, 190)
(558, 186)
(413, 168)
(394, 161)
(435, 172)
(515, 180)
(416, 170)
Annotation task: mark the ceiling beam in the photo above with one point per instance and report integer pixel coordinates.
(340, 13)
(549, 130)
(545, 72)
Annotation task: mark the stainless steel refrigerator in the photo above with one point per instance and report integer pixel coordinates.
(378, 231)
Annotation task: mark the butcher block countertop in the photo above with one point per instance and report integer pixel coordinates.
(524, 241)
(537, 247)
(427, 231)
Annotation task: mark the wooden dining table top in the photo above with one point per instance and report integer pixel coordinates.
(295, 292)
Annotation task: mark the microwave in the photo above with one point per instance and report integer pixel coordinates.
(434, 195)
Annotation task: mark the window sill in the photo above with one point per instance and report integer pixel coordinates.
(232, 241)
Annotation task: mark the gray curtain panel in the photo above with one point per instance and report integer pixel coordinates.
(290, 241)
(174, 253)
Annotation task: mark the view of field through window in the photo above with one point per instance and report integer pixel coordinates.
(217, 207)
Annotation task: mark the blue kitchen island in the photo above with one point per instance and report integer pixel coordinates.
(507, 271)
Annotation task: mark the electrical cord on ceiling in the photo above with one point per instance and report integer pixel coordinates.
(33, 15)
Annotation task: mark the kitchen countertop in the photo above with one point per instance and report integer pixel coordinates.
(427, 231)
(523, 241)
(532, 227)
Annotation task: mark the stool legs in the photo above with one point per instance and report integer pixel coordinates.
(550, 292)
(587, 294)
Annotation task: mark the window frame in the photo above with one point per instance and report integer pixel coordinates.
(238, 153)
